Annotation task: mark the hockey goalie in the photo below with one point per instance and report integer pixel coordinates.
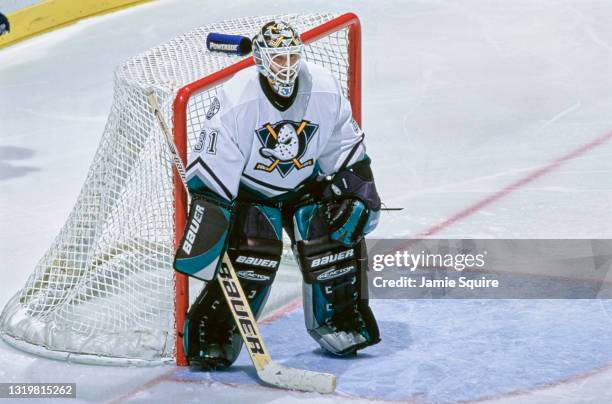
(279, 150)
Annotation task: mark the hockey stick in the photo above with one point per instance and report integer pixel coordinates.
(268, 371)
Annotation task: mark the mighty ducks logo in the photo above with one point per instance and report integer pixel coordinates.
(284, 144)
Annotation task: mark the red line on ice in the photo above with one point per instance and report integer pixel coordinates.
(281, 311)
(553, 165)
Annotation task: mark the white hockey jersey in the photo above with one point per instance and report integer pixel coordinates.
(247, 142)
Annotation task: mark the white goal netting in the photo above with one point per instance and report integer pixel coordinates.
(104, 290)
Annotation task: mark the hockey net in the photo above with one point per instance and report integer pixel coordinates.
(105, 291)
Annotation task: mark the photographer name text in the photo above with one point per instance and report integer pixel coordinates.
(424, 282)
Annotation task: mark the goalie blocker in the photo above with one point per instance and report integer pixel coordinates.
(200, 251)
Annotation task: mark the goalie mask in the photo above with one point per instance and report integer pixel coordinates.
(277, 50)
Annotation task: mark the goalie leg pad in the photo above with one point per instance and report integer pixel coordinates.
(211, 338)
(255, 251)
(336, 313)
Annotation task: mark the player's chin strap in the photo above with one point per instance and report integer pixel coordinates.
(267, 370)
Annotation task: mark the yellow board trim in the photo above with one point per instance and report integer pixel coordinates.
(52, 14)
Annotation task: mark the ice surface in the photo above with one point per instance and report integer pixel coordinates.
(461, 99)
(446, 351)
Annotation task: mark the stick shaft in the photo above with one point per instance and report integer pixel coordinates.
(178, 163)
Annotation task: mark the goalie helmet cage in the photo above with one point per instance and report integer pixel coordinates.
(105, 291)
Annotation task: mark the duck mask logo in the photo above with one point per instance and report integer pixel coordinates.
(284, 144)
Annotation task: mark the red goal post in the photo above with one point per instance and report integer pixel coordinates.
(348, 21)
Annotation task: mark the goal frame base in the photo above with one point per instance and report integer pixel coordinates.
(86, 359)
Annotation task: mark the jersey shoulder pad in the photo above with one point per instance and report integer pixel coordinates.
(322, 79)
(241, 88)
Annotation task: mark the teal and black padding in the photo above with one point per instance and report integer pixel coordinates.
(351, 220)
(336, 313)
(353, 203)
(255, 250)
(211, 338)
(204, 239)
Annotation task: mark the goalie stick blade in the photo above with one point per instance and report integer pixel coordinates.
(297, 379)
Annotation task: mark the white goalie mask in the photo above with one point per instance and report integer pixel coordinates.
(277, 50)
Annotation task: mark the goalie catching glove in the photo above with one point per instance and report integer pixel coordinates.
(352, 203)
